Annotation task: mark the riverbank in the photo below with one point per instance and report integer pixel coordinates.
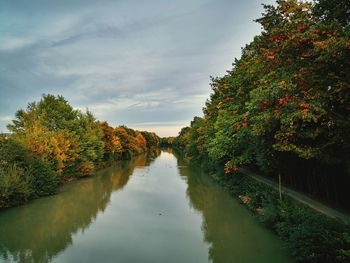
(51, 143)
(311, 236)
(300, 197)
(29, 178)
(150, 210)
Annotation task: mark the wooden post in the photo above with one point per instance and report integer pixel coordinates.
(280, 186)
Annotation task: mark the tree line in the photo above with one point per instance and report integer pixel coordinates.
(50, 143)
(284, 107)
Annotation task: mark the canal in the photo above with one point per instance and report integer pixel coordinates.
(143, 210)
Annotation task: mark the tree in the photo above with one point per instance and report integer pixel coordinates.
(141, 140)
(112, 145)
(52, 130)
(333, 11)
(285, 104)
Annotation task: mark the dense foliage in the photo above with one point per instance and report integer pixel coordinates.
(311, 237)
(50, 143)
(284, 107)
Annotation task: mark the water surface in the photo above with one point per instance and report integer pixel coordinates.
(141, 210)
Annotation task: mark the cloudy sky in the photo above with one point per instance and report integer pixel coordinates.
(145, 64)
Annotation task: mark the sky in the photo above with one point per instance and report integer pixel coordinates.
(144, 64)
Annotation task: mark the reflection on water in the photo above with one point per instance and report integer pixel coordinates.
(40, 230)
(233, 235)
(145, 210)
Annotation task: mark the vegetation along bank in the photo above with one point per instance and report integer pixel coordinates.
(283, 110)
(51, 143)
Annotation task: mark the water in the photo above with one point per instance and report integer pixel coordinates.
(138, 211)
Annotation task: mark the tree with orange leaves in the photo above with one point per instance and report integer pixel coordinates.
(112, 144)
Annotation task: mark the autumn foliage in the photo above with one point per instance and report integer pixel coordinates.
(284, 107)
(50, 143)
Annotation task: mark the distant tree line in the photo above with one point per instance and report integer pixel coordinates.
(284, 107)
(51, 143)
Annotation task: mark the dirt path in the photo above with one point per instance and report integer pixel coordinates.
(314, 204)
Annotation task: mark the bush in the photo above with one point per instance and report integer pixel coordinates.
(14, 189)
(315, 238)
(12, 153)
(41, 177)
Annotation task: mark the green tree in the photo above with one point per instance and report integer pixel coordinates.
(333, 11)
(285, 103)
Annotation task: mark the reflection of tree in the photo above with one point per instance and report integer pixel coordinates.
(167, 150)
(231, 232)
(202, 199)
(40, 230)
(154, 152)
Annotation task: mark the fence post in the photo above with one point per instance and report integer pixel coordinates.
(280, 185)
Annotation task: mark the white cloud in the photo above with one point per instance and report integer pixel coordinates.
(128, 62)
(6, 118)
(11, 43)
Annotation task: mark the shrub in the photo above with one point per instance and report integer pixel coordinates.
(14, 189)
(12, 153)
(41, 177)
(316, 238)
